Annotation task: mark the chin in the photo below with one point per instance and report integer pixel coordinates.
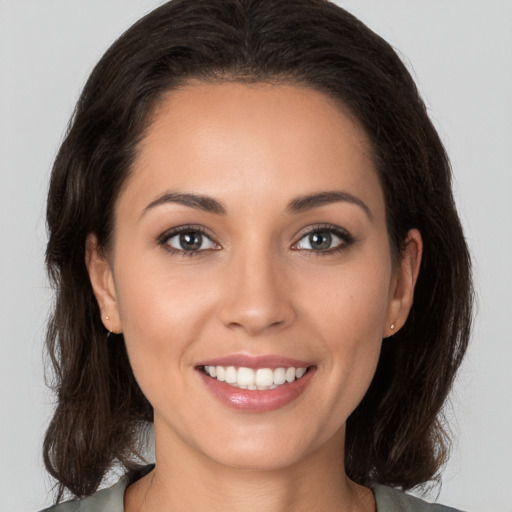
(262, 458)
(264, 449)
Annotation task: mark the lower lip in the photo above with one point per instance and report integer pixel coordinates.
(254, 400)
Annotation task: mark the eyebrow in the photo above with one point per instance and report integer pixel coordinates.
(298, 205)
(309, 202)
(198, 202)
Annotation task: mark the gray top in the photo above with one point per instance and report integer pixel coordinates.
(111, 500)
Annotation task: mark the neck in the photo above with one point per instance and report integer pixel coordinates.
(185, 480)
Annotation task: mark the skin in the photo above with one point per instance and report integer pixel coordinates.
(257, 288)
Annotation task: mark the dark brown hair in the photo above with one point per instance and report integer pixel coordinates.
(396, 434)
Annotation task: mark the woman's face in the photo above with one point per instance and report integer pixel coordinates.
(250, 246)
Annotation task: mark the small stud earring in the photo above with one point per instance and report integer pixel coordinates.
(109, 330)
(392, 327)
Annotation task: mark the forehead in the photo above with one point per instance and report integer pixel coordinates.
(225, 139)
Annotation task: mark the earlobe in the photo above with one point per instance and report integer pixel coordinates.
(406, 276)
(102, 282)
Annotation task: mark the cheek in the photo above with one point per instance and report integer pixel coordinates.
(350, 315)
(157, 320)
(164, 312)
(159, 327)
(352, 304)
(157, 300)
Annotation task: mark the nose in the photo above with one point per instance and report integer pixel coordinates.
(257, 297)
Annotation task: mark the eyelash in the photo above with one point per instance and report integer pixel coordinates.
(346, 239)
(164, 238)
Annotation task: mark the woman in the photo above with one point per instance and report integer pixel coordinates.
(248, 199)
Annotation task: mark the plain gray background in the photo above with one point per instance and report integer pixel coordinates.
(459, 51)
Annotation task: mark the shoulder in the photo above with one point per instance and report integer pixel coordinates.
(106, 500)
(392, 500)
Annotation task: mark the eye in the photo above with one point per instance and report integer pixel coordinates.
(188, 240)
(324, 240)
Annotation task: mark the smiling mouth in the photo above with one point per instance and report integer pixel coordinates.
(260, 379)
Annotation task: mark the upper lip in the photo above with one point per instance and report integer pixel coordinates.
(254, 362)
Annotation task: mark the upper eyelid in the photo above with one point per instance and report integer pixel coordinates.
(323, 227)
(337, 230)
(169, 233)
(164, 240)
(347, 239)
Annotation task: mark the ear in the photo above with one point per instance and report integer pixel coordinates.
(102, 281)
(402, 289)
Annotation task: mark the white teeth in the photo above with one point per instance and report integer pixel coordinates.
(245, 377)
(260, 379)
(264, 377)
(230, 375)
(290, 374)
(220, 373)
(279, 376)
(299, 372)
